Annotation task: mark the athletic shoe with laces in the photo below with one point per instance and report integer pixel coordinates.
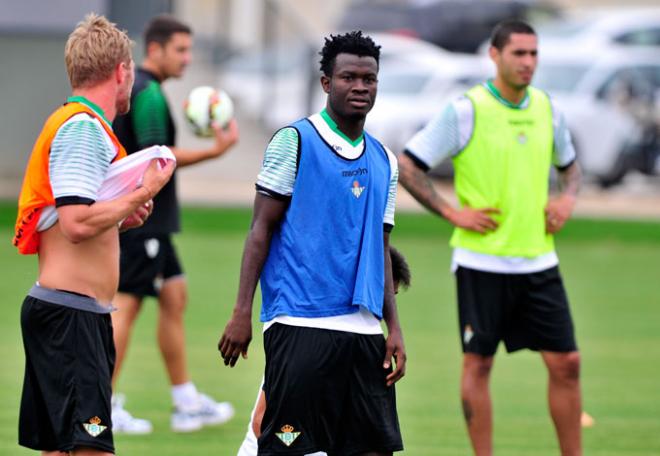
(205, 412)
(186, 419)
(125, 423)
(213, 412)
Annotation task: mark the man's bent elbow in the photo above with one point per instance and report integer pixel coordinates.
(405, 170)
(77, 232)
(409, 172)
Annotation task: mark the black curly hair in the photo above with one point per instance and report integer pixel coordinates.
(400, 268)
(349, 43)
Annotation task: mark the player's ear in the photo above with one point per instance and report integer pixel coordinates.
(153, 49)
(325, 83)
(123, 71)
(493, 53)
(120, 73)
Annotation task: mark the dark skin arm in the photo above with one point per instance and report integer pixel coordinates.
(394, 347)
(421, 188)
(559, 209)
(268, 213)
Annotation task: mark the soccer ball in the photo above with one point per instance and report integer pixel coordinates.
(206, 105)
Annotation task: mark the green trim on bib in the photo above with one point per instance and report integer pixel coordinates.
(333, 125)
(93, 106)
(496, 93)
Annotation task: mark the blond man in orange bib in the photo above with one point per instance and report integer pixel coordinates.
(67, 332)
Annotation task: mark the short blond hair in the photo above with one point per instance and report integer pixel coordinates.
(94, 49)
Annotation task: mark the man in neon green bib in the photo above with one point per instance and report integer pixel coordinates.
(503, 137)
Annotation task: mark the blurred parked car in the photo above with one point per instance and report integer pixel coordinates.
(273, 85)
(604, 28)
(281, 85)
(409, 94)
(607, 98)
(456, 25)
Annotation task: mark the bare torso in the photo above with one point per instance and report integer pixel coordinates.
(90, 267)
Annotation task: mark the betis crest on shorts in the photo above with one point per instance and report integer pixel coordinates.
(287, 436)
(94, 427)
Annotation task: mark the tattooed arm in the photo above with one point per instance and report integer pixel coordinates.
(560, 208)
(419, 185)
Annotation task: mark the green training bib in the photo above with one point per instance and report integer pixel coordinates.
(506, 165)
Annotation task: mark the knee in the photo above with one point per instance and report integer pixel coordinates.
(572, 366)
(177, 307)
(478, 367)
(173, 305)
(476, 375)
(173, 312)
(484, 368)
(567, 369)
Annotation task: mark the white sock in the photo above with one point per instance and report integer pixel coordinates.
(184, 395)
(117, 401)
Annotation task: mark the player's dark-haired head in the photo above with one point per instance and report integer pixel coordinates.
(503, 31)
(400, 268)
(161, 28)
(349, 43)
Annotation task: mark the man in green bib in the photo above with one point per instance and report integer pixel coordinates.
(503, 136)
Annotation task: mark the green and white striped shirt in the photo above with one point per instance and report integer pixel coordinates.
(449, 132)
(279, 168)
(80, 155)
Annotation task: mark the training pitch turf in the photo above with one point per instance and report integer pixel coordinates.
(612, 274)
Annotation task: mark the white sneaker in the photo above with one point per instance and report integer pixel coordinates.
(213, 412)
(186, 420)
(123, 422)
(206, 412)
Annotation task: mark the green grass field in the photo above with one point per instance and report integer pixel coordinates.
(612, 274)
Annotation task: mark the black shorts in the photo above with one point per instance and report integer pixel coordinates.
(325, 391)
(524, 310)
(69, 358)
(146, 262)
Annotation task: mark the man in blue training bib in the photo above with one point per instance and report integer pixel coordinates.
(319, 244)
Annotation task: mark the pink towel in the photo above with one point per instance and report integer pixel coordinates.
(125, 175)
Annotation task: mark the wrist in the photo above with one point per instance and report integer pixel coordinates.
(447, 212)
(393, 327)
(568, 200)
(217, 150)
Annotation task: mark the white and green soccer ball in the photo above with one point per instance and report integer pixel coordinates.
(205, 106)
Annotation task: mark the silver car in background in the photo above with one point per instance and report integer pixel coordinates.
(608, 97)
